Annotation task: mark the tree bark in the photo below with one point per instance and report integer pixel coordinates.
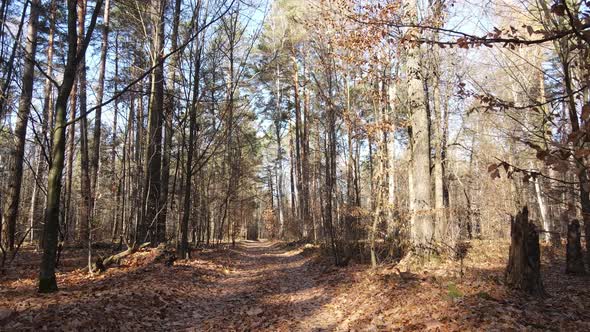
(10, 211)
(422, 227)
(169, 112)
(574, 255)
(41, 159)
(183, 246)
(305, 167)
(152, 185)
(95, 160)
(47, 281)
(524, 261)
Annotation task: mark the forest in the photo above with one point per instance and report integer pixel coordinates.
(294, 165)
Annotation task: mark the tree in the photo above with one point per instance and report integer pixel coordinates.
(153, 152)
(47, 281)
(524, 261)
(11, 204)
(422, 224)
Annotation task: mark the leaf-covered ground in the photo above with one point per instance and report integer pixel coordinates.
(265, 286)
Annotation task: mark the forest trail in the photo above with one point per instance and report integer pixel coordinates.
(272, 286)
(267, 286)
(253, 286)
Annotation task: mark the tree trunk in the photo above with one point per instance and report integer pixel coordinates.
(95, 160)
(305, 167)
(84, 234)
(45, 147)
(115, 187)
(279, 160)
(152, 185)
(169, 132)
(71, 150)
(183, 247)
(524, 261)
(47, 281)
(438, 171)
(543, 210)
(574, 255)
(10, 211)
(422, 227)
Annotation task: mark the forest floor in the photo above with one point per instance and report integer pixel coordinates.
(269, 286)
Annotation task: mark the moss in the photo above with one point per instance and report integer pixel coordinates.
(453, 292)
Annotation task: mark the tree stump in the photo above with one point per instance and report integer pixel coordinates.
(524, 261)
(165, 255)
(574, 255)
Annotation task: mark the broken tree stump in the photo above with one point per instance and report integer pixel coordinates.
(165, 256)
(524, 261)
(574, 256)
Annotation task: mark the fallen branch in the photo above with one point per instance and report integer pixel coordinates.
(102, 265)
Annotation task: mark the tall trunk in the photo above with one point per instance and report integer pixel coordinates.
(292, 171)
(438, 171)
(47, 281)
(298, 147)
(138, 188)
(584, 192)
(69, 211)
(84, 230)
(330, 182)
(126, 147)
(379, 177)
(169, 132)
(85, 186)
(331, 186)
(279, 172)
(305, 176)
(11, 203)
(95, 160)
(183, 247)
(421, 214)
(43, 151)
(279, 160)
(391, 171)
(153, 156)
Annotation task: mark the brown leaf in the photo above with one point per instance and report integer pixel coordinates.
(495, 174)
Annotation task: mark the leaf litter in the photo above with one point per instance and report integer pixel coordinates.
(267, 286)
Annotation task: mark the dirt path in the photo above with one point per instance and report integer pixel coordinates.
(257, 286)
(266, 287)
